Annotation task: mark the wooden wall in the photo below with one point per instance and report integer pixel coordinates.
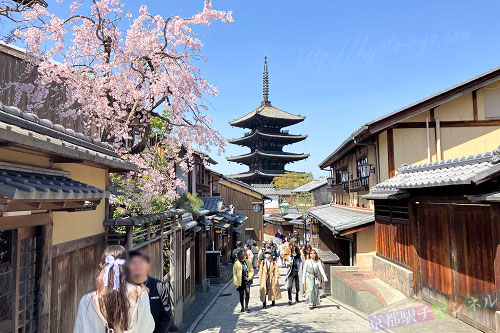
(328, 243)
(13, 70)
(394, 241)
(453, 248)
(155, 252)
(458, 253)
(74, 268)
(243, 203)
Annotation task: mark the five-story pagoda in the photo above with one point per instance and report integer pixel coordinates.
(266, 140)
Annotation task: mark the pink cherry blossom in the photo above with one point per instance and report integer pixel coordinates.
(120, 69)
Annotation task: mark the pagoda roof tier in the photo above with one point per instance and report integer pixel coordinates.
(266, 113)
(252, 175)
(257, 135)
(285, 156)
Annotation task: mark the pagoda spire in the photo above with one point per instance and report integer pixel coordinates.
(265, 82)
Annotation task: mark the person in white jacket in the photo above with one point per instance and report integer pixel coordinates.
(116, 306)
(312, 275)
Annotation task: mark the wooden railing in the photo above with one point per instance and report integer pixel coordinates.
(135, 232)
(357, 185)
(338, 188)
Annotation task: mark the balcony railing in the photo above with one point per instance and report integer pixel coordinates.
(357, 185)
(338, 188)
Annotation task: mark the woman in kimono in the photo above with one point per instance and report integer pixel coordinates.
(312, 275)
(269, 274)
(116, 306)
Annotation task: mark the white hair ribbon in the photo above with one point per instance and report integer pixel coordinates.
(115, 263)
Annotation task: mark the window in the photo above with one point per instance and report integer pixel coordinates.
(392, 211)
(338, 177)
(5, 246)
(361, 171)
(492, 102)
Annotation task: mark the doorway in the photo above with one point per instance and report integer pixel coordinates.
(20, 267)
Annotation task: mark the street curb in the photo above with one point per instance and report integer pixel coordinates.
(354, 310)
(207, 308)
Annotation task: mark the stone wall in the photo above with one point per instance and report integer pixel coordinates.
(395, 275)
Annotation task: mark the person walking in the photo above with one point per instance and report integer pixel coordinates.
(139, 264)
(242, 279)
(294, 274)
(305, 252)
(255, 252)
(269, 274)
(288, 248)
(116, 306)
(312, 275)
(274, 249)
(307, 238)
(249, 253)
(261, 254)
(237, 249)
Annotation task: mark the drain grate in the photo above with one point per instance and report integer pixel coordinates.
(227, 294)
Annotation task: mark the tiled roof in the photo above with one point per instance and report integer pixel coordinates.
(24, 182)
(375, 126)
(211, 204)
(28, 129)
(284, 136)
(268, 111)
(141, 219)
(270, 190)
(457, 171)
(268, 173)
(311, 185)
(338, 218)
(494, 196)
(275, 154)
(242, 184)
(293, 216)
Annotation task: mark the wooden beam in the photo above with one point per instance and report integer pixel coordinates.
(130, 234)
(45, 279)
(77, 244)
(474, 104)
(15, 222)
(450, 123)
(358, 229)
(431, 114)
(390, 152)
(62, 159)
(66, 205)
(17, 265)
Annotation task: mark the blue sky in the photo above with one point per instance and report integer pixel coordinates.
(340, 63)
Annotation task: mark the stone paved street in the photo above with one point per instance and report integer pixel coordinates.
(225, 315)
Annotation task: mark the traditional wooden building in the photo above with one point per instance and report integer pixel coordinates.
(275, 195)
(13, 69)
(54, 189)
(347, 232)
(266, 140)
(246, 200)
(319, 189)
(458, 121)
(438, 234)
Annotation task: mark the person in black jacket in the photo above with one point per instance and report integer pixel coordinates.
(159, 298)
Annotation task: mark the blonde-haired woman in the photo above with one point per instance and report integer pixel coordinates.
(116, 306)
(312, 275)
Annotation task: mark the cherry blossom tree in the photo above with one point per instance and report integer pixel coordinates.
(117, 69)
